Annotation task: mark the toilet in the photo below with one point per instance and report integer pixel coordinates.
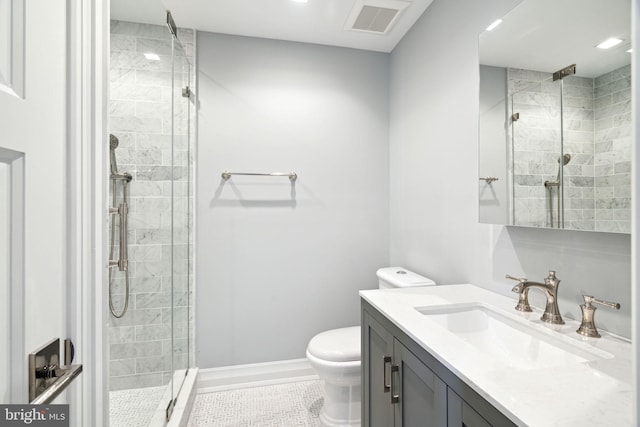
(335, 356)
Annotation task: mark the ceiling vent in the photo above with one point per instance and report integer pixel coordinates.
(375, 16)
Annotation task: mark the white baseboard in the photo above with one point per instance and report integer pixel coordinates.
(254, 375)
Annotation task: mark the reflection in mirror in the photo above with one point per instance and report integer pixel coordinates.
(559, 144)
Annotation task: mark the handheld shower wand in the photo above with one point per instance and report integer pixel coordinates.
(549, 185)
(121, 211)
(113, 144)
(564, 160)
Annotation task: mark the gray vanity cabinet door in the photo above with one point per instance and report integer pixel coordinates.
(422, 396)
(470, 418)
(377, 351)
(463, 415)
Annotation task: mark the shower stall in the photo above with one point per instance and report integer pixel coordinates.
(151, 126)
(570, 149)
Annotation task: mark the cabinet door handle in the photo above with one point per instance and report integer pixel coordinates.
(395, 370)
(387, 362)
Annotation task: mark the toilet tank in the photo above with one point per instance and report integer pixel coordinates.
(398, 277)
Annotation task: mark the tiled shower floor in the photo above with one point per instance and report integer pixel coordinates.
(281, 405)
(134, 407)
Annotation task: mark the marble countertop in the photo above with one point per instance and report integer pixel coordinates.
(596, 392)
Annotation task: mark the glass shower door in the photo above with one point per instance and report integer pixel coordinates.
(181, 216)
(150, 346)
(536, 133)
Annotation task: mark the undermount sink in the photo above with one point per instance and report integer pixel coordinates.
(510, 341)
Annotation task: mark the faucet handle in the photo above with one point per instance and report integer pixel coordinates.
(588, 299)
(552, 279)
(588, 326)
(517, 279)
(523, 293)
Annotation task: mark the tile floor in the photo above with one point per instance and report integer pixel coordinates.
(134, 407)
(281, 405)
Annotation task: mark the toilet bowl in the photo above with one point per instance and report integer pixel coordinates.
(335, 356)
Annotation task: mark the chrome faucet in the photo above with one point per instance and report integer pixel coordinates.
(550, 289)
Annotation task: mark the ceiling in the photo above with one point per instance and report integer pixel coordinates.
(317, 21)
(541, 35)
(548, 35)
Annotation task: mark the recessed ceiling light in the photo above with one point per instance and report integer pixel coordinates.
(609, 43)
(152, 56)
(630, 50)
(299, 1)
(494, 24)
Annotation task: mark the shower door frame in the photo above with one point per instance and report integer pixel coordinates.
(88, 26)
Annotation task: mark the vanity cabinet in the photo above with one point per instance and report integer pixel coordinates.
(377, 355)
(404, 386)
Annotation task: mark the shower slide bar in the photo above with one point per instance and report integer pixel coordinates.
(226, 175)
(549, 185)
(123, 261)
(122, 211)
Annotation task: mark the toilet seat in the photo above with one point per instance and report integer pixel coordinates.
(336, 345)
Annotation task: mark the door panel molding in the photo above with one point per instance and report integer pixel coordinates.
(15, 262)
(12, 47)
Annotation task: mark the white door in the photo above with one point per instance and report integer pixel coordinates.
(33, 183)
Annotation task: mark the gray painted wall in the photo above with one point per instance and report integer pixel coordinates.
(495, 153)
(434, 179)
(277, 263)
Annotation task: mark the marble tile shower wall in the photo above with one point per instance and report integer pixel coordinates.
(596, 188)
(613, 151)
(140, 343)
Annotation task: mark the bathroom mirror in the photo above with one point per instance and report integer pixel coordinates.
(555, 116)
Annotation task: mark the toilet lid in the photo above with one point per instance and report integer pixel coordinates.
(337, 345)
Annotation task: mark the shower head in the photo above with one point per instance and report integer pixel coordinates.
(562, 161)
(113, 142)
(565, 159)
